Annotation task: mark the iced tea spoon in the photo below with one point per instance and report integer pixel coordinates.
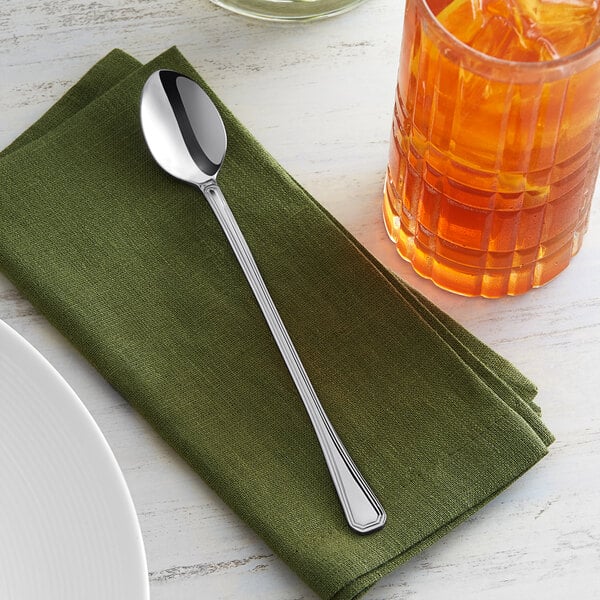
(186, 136)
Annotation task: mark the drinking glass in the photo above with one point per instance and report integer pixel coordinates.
(288, 10)
(493, 163)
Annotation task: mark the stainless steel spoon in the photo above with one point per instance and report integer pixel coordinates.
(187, 138)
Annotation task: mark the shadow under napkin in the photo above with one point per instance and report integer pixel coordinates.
(132, 267)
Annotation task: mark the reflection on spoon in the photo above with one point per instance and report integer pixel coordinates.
(187, 138)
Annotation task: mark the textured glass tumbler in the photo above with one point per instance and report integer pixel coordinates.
(492, 163)
(288, 10)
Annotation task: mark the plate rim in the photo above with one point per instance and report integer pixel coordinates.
(8, 332)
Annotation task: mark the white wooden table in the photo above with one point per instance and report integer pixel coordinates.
(319, 96)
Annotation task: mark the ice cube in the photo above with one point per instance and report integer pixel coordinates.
(524, 30)
(568, 25)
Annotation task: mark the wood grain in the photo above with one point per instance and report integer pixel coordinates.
(319, 96)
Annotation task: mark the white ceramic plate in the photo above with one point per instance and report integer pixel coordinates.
(68, 528)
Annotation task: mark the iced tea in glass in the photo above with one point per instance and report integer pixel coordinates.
(495, 141)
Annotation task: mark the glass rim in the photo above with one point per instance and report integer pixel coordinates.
(288, 11)
(480, 63)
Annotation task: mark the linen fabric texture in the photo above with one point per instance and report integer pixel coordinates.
(132, 267)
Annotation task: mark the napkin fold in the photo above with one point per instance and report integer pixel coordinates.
(132, 267)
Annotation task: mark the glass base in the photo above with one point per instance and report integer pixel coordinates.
(288, 10)
(460, 275)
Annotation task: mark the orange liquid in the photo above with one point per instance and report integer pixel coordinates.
(489, 180)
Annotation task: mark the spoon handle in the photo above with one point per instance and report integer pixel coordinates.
(363, 511)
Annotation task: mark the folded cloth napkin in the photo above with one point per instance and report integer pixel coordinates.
(131, 265)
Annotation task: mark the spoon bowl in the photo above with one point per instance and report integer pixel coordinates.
(182, 127)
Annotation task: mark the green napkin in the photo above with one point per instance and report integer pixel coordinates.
(132, 267)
